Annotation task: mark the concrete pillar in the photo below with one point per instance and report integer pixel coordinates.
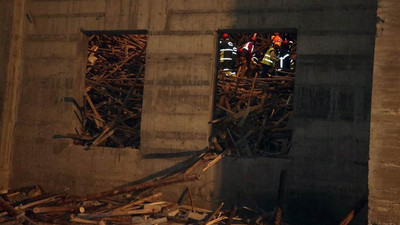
(13, 80)
(384, 164)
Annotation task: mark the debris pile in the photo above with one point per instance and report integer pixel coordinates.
(112, 104)
(130, 204)
(139, 203)
(252, 114)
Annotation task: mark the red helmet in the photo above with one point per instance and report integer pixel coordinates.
(285, 43)
(225, 35)
(253, 38)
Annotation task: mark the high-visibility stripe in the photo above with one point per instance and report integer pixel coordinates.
(267, 58)
(281, 60)
(246, 46)
(225, 58)
(285, 56)
(226, 49)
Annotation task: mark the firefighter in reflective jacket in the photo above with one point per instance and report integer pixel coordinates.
(245, 56)
(269, 60)
(255, 65)
(228, 55)
(284, 57)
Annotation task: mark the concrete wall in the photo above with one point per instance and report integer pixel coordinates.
(11, 46)
(6, 19)
(384, 184)
(328, 164)
(5, 39)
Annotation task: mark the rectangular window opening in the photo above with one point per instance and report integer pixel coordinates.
(253, 104)
(113, 91)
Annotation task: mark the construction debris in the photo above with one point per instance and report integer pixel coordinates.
(251, 117)
(112, 101)
(130, 204)
(252, 114)
(359, 205)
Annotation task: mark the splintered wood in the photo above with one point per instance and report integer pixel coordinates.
(130, 204)
(252, 115)
(112, 104)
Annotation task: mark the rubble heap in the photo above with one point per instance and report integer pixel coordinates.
(252, 115)
(111, 111)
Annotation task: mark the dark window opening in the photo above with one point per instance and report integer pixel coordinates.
(254, 93)
(113, 94)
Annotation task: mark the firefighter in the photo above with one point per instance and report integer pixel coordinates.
(284, 57)
(276, 38)
(228, 55)
(269, 60)
(292, 61)
(246, 55)
(255, 66)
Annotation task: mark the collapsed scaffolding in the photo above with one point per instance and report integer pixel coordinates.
(138, 203)
(112, 103)
(141, 203)
(252, 115)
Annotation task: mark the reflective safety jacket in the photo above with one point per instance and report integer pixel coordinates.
(269, 57)
(227, 52)
(292, 64)
(284, 59)
(255, 59)
(249, 46)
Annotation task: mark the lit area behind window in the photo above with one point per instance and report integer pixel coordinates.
(254, 93)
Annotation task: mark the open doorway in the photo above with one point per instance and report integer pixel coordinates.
(254, 93)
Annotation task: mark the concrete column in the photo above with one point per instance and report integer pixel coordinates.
(13, 80)
(384, 164)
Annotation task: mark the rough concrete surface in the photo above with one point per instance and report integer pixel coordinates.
(384, 164)
(6, 21)
(10, 81)
(328, 163)
(5, 26)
